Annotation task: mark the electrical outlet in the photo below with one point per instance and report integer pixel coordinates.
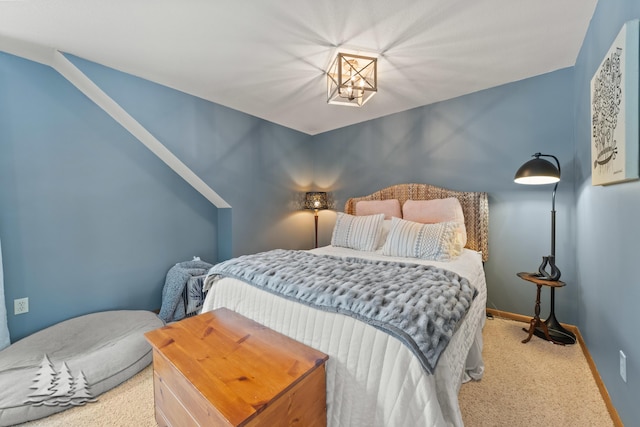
(20, 305)
(623, 366)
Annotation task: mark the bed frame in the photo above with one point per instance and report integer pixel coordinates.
(475, 206)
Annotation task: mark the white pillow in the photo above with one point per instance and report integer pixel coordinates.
(357, 232)
(386, 226)
(435, 242)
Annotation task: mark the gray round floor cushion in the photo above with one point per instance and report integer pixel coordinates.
(72, 362)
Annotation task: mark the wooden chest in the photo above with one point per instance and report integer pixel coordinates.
(222, 369)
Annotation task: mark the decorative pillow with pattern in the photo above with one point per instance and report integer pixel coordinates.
(437, 210)
(435, 242)
(357, 232)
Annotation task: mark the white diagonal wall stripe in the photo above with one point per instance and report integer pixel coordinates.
(56, 60)
(119, 114)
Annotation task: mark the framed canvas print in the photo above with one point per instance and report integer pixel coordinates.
(614, 111)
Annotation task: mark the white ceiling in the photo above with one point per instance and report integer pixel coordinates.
(268, 58)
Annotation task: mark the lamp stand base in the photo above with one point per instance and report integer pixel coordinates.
(316, 224)
(556, 331)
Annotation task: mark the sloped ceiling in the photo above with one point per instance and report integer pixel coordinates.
(268, 58)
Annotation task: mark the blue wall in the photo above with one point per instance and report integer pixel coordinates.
(475, 143)
(91, 220)
(607, 233)
(258, 167)
(471, 143)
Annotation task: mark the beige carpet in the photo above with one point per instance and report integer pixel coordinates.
(533, 384)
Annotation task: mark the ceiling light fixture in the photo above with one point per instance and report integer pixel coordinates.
(352, 80)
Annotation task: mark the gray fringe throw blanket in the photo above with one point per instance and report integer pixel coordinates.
(418, 304)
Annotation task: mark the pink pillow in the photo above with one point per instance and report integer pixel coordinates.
(389, 208)
(435, 211)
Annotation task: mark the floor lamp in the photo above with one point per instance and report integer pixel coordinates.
(535, 172)
(316, 200)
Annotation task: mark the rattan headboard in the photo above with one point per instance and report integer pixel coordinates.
(475, 206)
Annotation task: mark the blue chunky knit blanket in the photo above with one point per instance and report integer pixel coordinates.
(418, 304)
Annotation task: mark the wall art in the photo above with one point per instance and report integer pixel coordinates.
(614, 111)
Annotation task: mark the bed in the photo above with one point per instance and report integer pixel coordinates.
(373, 378)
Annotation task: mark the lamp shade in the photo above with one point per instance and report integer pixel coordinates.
(537, 171)
(316, 200)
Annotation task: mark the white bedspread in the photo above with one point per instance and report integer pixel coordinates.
(372, 378)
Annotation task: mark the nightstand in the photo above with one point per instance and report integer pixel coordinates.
(550, 329)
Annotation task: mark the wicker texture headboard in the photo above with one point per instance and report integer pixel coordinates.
(475, 206)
